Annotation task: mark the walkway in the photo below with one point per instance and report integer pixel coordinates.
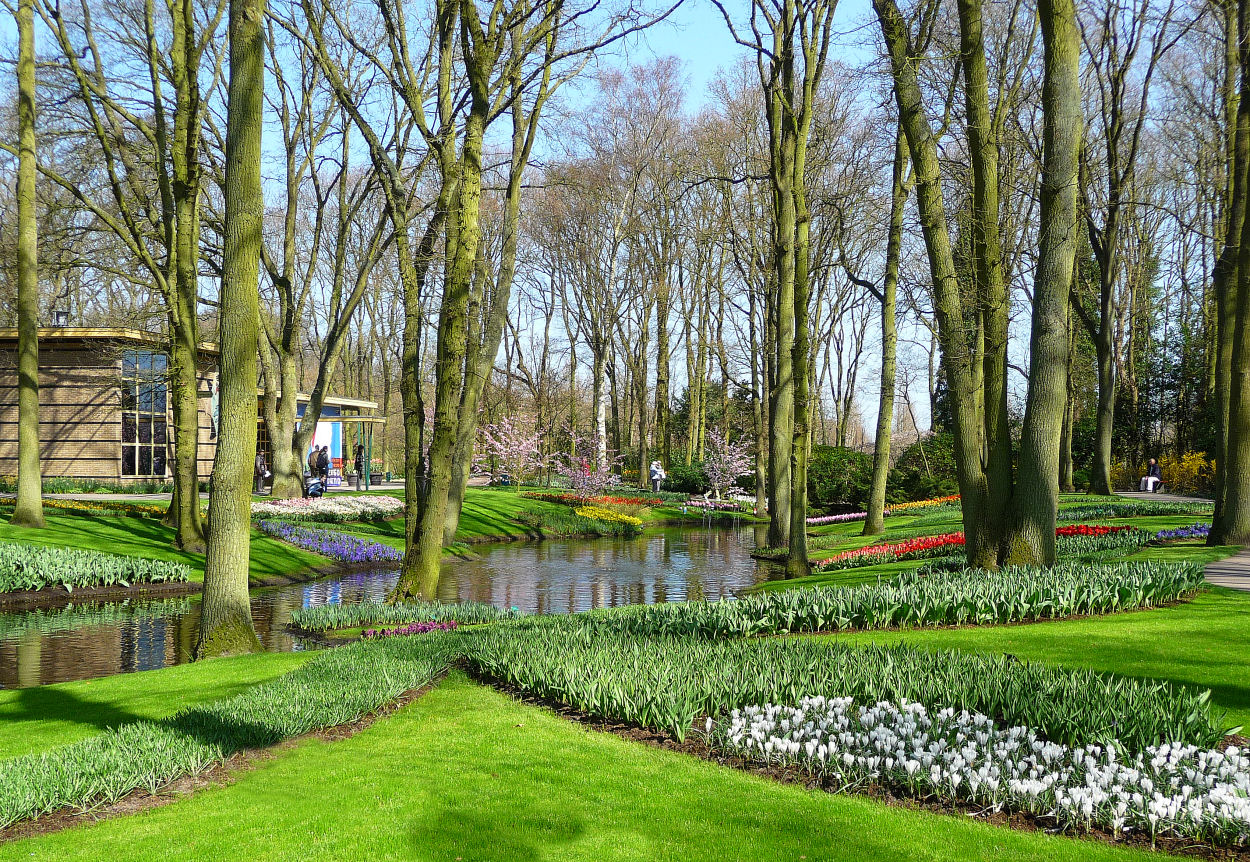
(1161, 498)
(1232, 572)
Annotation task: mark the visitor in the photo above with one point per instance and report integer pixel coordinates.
(312, 462)
(1153, 478)
(360, 465)
(323, 465)
(262, 473)
(657, 475)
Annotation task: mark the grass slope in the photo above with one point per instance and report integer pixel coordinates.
(36, 719)
(467, 773)
(148, 537)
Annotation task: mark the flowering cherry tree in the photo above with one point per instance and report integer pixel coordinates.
(586, 475)
(513, 448)
(724, 461)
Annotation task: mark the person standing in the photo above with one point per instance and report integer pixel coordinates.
(261, 472)
(657, 475)
(360, 466)
(323, 465)
(313, 455)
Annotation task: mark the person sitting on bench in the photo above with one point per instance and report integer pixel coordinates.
(1153, 478)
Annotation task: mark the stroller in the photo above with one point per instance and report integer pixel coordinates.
(313, 486)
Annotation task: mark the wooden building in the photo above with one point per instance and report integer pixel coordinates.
(105, 411)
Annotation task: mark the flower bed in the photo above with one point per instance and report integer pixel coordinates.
(918, 505)
(1170, 789)
(1075, 540)
(609, 516)
(602, 500)
(837, 519)
(338, 509)
(326, 617)
(714, 505)
(410, 629)
(967, 596)
(36, 567)
(1193, 531)
(328, 543)
(666, 683)
(99, 507)
(889, 552)
(1129, 509)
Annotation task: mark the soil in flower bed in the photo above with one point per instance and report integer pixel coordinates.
(695, 746)
(219, 775)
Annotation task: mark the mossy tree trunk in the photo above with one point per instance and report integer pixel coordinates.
(225, 614)
(28, 507)
(1036, 498)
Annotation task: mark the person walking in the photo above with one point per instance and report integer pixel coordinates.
(262, 473)
(360, 466)
(1153, 478)
(657, 475)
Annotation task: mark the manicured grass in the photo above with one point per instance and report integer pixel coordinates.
(148, 537)
(467, 773)
(36, 719)
(1205, 643)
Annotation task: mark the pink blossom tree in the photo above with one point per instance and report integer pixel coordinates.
(724, 461)
(512, 447)
(587, 475)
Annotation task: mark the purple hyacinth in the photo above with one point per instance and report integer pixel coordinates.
(1193, 531)
(410, 629)
(335, 545)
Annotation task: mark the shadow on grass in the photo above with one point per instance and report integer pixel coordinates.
(44, 703)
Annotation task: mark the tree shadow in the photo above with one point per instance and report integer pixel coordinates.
(51, 703)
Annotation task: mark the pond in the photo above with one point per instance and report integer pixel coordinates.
(95, 639)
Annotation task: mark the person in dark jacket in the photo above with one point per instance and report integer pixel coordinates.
(261, 473)
(360, 466)
(323, 464)
(1153, 478)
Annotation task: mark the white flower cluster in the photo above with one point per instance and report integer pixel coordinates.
(1178, 790)
(338, 508)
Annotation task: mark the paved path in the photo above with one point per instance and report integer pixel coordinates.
(1232, 572)
(1161, 498)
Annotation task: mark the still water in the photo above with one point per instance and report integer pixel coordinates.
(95, 639)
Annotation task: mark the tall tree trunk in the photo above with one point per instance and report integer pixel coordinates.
(662, 362)
(1100, 472)
(419, 576)
(28, 507)
(225, 614)
(1233, 523)
(1066, 482)
(874, 523)
(1036, 498)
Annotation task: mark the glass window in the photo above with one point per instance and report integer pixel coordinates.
(145, 435)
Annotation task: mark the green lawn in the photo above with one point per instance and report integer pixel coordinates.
(148, 537)
(36, 719)
(467, 773)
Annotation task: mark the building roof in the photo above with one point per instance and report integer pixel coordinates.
(102, 333)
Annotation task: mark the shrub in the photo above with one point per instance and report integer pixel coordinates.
(837, 475)
(687, 479)
(568, 523)
(35, 567)
(924, 469)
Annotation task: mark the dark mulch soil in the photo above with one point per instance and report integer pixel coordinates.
(218, 775)
(696, 746)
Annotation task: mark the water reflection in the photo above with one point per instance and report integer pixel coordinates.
(96, 639)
